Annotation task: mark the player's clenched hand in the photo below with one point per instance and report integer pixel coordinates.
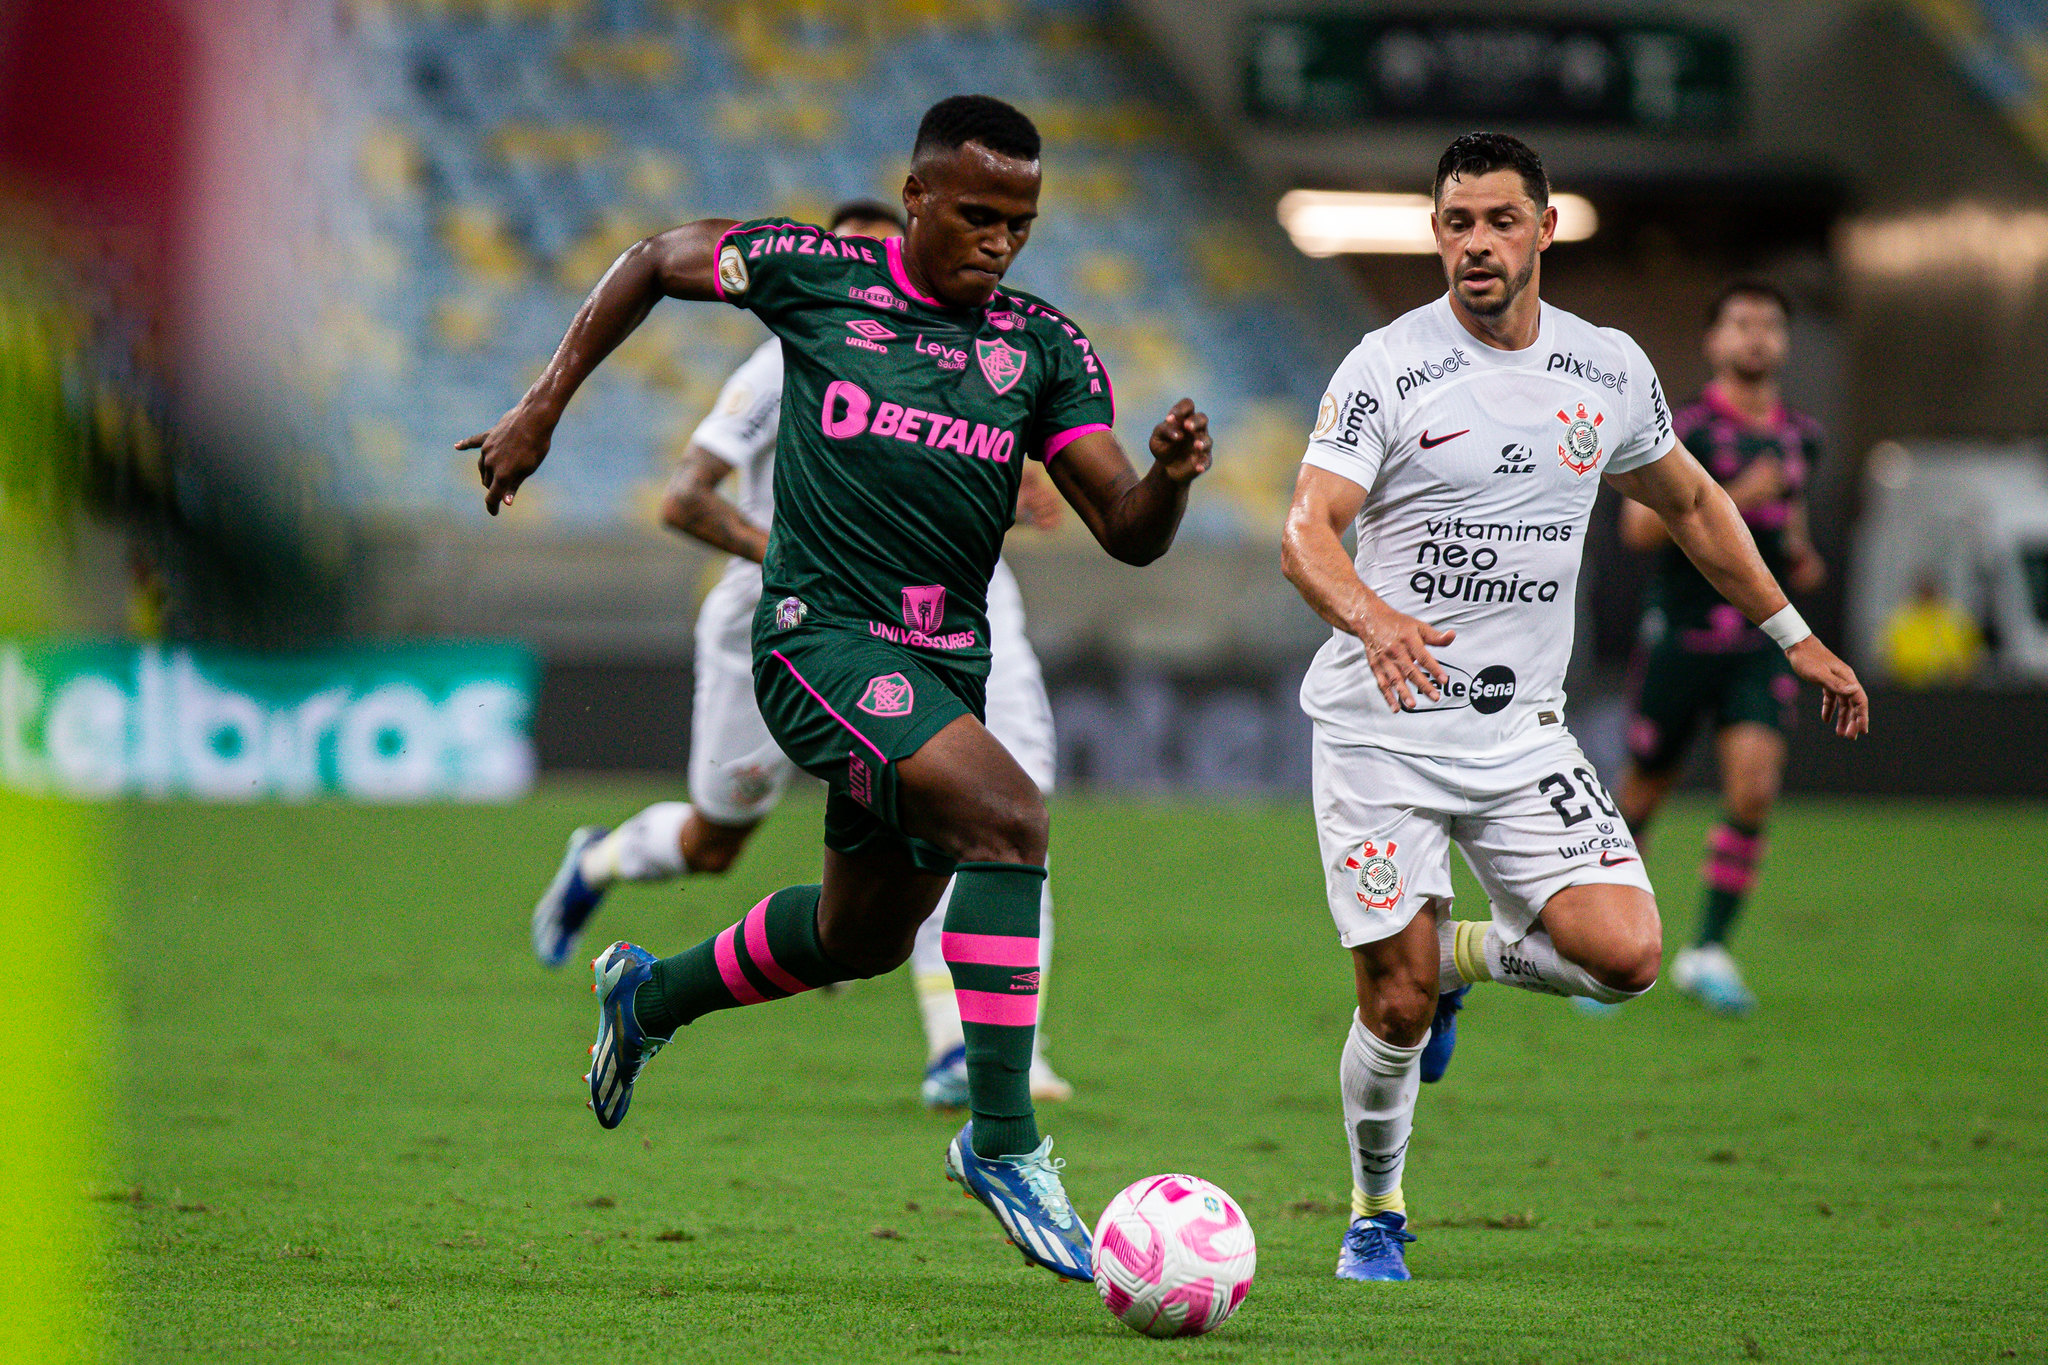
(1843, 702)
(1180, 443)
(1397, 649)
(511, 450)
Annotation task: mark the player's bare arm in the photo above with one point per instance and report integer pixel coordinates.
(1702, 519)
(693, 506)
(1313, 557)
(1131, 517)
(679, 263)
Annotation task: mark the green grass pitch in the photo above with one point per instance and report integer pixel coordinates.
(352, 1128)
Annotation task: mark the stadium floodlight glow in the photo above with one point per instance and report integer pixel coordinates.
(1337, 222)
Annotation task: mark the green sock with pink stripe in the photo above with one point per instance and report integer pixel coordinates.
(772, 954)
(991, 947)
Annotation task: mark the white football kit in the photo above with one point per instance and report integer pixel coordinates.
(737, 774)
(1480, 468)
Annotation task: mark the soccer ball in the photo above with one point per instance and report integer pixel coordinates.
(1174, 1256)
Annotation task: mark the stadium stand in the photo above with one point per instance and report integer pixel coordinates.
(489, 157)
(2001, 47)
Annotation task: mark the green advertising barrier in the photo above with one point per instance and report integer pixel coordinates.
(434, 721)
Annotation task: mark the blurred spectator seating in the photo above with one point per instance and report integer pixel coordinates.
(490, 157)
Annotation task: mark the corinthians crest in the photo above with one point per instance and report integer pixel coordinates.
(1580, 449)
(1001, 363)
(1379, 881)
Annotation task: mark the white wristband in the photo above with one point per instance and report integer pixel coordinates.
(1787, 627)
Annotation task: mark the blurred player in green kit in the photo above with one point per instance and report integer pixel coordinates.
(1699, 659)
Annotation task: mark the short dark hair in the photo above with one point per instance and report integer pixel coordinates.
(960, 119)
(865, 211)
(1748, 287)
(1482, 153)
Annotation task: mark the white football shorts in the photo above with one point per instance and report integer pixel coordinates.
(1528, 826)
(737, 774)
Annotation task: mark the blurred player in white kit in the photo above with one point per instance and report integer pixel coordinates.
(737, 774)
(1465, 441)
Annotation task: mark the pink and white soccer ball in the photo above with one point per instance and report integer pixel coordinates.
(1174, 1256)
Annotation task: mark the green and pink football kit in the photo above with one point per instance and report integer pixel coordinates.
(905, 425)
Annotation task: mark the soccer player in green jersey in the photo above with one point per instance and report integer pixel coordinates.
(915, 386)
(1700, 658)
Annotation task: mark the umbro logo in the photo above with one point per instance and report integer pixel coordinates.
(1429, 444)
(1609, 860)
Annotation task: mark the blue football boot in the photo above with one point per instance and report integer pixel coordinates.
(622, 1046)
(945, 1081)
(1443, 1035)
(1025, 1195)
(566, 906)
(1372, 1248)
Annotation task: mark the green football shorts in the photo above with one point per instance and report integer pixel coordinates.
(847, 708)
(1679, 687)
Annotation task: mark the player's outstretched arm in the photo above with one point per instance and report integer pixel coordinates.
(680, 263)
(1704, 522)
(1133, 518)
(693, 506)
(1312, 556)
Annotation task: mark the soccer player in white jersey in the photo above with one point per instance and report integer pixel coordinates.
(737, 774)
(1465, 442)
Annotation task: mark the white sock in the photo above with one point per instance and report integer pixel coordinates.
(937, 1004)
(1534, 964)
(1379, 1082)
(1448, 977)
(646, 848)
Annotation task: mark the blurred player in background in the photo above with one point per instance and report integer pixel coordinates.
(915, 387)
(1699, 657)
(737, 774)
(1465, 442)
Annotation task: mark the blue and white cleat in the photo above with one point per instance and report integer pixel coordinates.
(566, 906)
(1025, 1195)
(945, 1081)
(622, 1046)
(1443, 1035)
(1709, 975)
(1372, 1248)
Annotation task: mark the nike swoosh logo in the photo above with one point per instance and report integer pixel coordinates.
(1609, 860)
(1428, 444)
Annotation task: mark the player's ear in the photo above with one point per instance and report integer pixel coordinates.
(914, 192)
(1549, 231)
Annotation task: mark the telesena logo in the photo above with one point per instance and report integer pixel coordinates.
(1487, 691)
